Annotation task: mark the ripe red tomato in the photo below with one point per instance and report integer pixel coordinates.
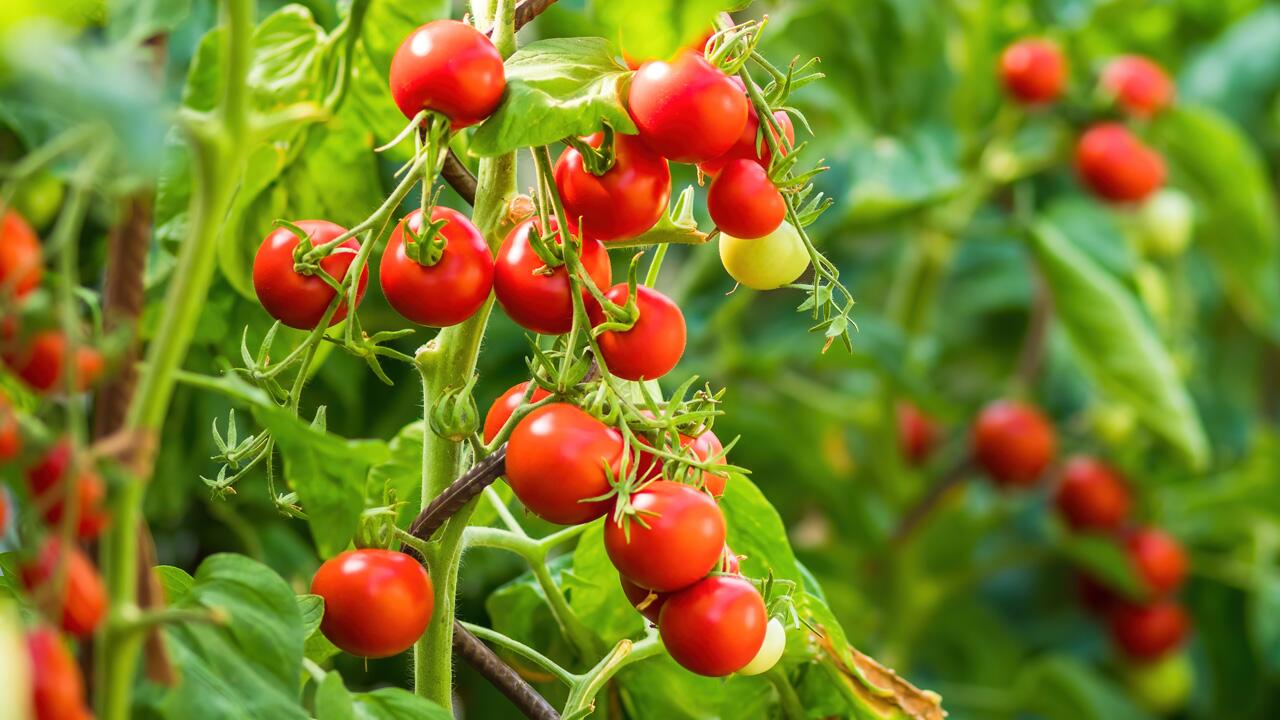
(504, 407)
(745, 147)
(536, 301)
(1092, 496)
(638, 596)
(10, 433)
(448, 67)
(1033, 71)
(715, 627)
(653, 346)
(743, 201)
(675, 539)
(449, 291)
(1013, 442)
(1159, 559)
(1139, 85)
(1147, 632)
(39, 362)
(556, 460)
(300, 301)
(56, 684)
(83, 601)
(20, 263)
(917, 433)
(46, 482)
(687, 110)
(377, 603)
(623, 202)
(1117, 166)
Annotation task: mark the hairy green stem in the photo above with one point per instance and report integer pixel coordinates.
(581, 700)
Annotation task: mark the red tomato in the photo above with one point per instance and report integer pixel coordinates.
(504, 407)
(1117, 166)
(83, 601)
(556, 461)
(40, 362)
(1013, 442)
(706, 447)
(675, 538)
(622, 203)
(686, 110)
(10, 432)
(745, 147)
(1092, 496)
(300, 301)
(1139, 85)
(653, 346)
(20, 263)
(46, 482)
(56, 685)
(449, 291)
(714, 627)
(536, 301)
(743, 201)
(917, 433)
(652, 601)
(1147, 632)
(1033, 71)
(448, 67)
(1159, 559)
(377, 603)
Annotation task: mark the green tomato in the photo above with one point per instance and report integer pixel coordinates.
(775, 642)
(766, 263)
(1114, 423)
(1163, 686)
(1165, 224)
(39, 198)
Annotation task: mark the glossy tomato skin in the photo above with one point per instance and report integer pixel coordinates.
(449, 291)
(743, 201)
(1146, 632)
(686, 110)
(506, 405)
(39, 362)
(538, 302)
(1159, 559)
(10, 433)
(638, 596)
(1033, 71)
(46, 482)
(745, 147)
(917, 433)
(1013, 442)
(300, 301)
(448, 67)
(83, 601)
(556, 460)
(1138, 85)
(623, 202)
(683, 540)
(714, 627)
(377, 603)
(56, 684)
(1117, 166)
(1092, 495)
(20, 264)
(766, 263)
(653, 346)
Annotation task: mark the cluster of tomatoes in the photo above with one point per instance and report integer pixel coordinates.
(1111, 161)
(62, 490)
(1015, 445)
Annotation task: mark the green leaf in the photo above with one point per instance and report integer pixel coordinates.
(658, 28)
(595, 592)
(175, 582)
(756, 532)
(1227, 177)
(556, 89)
(397, 704)
(892, 175)
(1115, 345)
(1237, 72)
(1102, 558)
(333, 702)
(401, 472)
(137, 21)
(1061, 688)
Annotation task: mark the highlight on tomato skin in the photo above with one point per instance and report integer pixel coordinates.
(1013, 442)
(1116, 166)
(653, 345)
(448, 291)
(675, 537)
(559, 460)
(377, 602)
(687, 110)
(448, 67)
(715, 627)
(1138, 85)
(506, 405)
(297, 300)
(624, 202)
(540, 300)
(1033, 71)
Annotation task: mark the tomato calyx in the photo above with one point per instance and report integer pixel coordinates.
(596, 160)
(619, 318)
(307, 255)
(730, 48)
(455, 416)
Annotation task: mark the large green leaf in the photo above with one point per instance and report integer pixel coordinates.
(891, 175)
(555, 89)
(335, 702)
(1223, 171)
(1116, 346)
(1238, 71)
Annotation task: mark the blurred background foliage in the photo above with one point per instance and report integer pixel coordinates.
(935, 177)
